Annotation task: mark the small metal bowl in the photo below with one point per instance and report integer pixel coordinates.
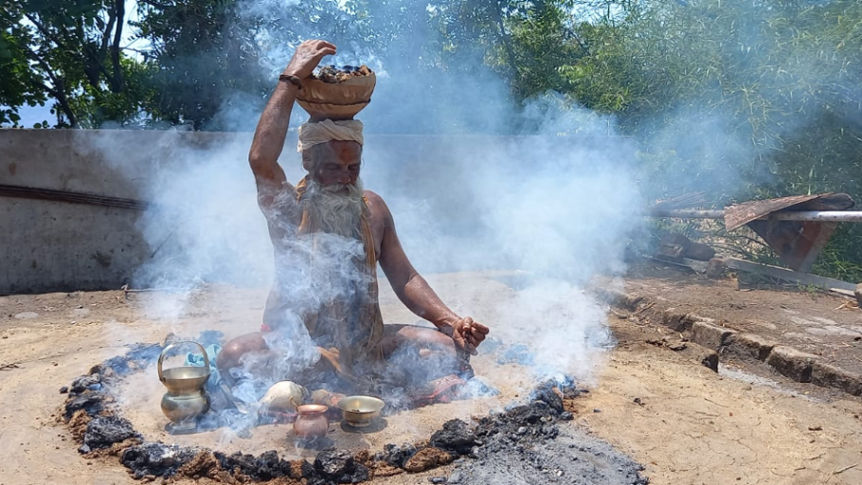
(360, 411)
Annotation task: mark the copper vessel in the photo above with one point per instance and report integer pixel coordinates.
(185, 399)
(311, 421)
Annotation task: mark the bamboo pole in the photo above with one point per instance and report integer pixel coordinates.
(818, 216)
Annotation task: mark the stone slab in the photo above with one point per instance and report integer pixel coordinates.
(710, 335)
(751, 345)
(792, 363)
(827, 375)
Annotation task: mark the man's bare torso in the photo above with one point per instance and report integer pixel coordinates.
(378, 214)
(378, 219)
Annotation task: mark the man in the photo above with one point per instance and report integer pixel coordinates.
(329, 235)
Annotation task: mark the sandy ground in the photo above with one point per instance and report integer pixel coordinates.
(690, 425)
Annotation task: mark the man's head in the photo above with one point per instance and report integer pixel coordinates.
(332, 163)
(332, 153)
(331, 150)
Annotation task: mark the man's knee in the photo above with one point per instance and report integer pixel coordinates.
(234, 349)
(425, 337)
(397, 337)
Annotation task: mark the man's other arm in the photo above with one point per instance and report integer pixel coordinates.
(412, 289)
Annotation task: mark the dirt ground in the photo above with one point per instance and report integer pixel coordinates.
(813, 321)
(682, 421)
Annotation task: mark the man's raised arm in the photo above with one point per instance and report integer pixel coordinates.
(271, 129)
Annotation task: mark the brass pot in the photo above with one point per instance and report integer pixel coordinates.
(360, 411)
(185, 399)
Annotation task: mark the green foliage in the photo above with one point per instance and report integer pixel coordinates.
(69, 49)
(740, 99)
(841, 258)
(198, 55)
(16, 77)
(541, 47)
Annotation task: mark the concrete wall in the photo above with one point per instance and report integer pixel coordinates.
(61, 246)
(204, 225)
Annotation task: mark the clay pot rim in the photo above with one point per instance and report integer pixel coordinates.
(315, 103)
(352, 81)
(308, 409)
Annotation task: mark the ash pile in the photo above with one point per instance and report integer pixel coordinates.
(525, 444)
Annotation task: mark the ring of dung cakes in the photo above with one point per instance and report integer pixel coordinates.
(337, 93)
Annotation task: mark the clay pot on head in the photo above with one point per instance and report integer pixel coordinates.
(337, 101)
(311, 421)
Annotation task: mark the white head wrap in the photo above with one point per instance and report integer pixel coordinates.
(311, 134)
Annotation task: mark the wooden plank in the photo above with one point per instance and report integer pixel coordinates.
(738, 215)
(784, 274)
(788, 275)
(797, 243)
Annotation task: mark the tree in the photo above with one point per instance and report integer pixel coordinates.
(72, 51)
(16, 77)
(198, 54)
(766, 92)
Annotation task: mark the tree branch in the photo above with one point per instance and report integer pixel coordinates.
(109, 27)
(63, 101)
(120, 10)
(44, 31)
(58, 92)
(504, 38)
(159, 5)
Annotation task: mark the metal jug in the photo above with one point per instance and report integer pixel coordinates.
(185, 399)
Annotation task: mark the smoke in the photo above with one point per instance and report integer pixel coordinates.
(554, 197)
(474, 180)
(755, 97)
(700, 152)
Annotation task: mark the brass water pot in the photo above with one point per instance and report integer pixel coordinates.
(185, 399)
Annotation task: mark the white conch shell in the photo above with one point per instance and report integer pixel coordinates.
(283, 396)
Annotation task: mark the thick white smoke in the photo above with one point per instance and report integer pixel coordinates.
(556, 204)
(474, 181)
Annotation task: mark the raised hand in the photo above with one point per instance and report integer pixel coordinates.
(307, 57)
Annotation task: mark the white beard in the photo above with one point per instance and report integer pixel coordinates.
(337, 209)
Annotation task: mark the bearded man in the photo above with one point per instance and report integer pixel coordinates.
(329, 235)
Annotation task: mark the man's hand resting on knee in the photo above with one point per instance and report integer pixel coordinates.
(466, 333)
